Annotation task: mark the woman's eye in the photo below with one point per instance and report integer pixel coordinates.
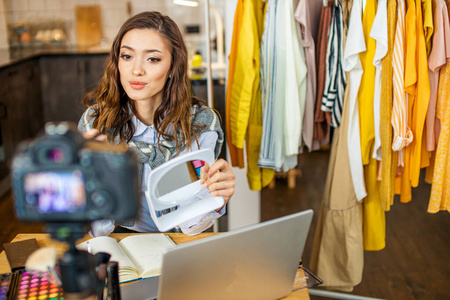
(154, 59)
(125, 56)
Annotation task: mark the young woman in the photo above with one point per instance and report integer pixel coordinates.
(144, 99)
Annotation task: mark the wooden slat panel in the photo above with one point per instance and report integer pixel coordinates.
(88, 25)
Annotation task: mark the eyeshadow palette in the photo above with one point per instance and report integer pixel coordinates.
(4, 284)
(29, 285)
(38, 285)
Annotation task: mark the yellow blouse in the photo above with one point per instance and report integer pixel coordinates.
(403, 183)
(236, 154)
(373, 215)
(245, 100)
(389, 158)
(419, 155)
(428, 27)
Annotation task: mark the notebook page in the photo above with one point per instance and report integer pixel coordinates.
(145, 250)
(108, 245)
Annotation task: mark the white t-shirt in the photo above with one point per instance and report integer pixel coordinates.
(355, 44)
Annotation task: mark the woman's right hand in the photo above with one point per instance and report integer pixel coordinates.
(219, 178)
(93, 133)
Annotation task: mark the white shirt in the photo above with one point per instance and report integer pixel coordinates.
(279, 91)
(295, 85)
(287, 89)
(355, 44)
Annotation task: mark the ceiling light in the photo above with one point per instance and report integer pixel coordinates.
(186, 2)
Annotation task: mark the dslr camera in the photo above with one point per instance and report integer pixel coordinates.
(62, 177)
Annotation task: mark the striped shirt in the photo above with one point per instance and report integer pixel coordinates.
(333, 95)
(267, 71)
(402, 133)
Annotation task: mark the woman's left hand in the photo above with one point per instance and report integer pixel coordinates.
(219, 179)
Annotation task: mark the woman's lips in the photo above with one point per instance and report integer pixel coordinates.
(137, 85)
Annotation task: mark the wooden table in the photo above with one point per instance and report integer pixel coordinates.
(44, 240)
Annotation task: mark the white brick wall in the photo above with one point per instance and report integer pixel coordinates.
(114, 13)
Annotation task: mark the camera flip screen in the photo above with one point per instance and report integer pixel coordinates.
(55, 192)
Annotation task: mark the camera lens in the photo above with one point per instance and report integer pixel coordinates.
(55, 155)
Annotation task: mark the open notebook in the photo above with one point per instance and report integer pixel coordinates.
(139, 256)
(256, 262)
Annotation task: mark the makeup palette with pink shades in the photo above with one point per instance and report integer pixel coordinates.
(33, 285)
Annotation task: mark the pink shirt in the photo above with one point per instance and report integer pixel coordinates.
(439, 56)
(302, 15)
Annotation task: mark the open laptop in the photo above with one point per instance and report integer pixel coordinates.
(255, 262)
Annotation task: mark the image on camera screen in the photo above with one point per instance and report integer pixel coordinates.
(55, 192)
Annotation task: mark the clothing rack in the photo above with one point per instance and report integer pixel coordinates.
(209, 81)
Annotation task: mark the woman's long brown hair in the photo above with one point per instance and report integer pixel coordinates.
(114, 110)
